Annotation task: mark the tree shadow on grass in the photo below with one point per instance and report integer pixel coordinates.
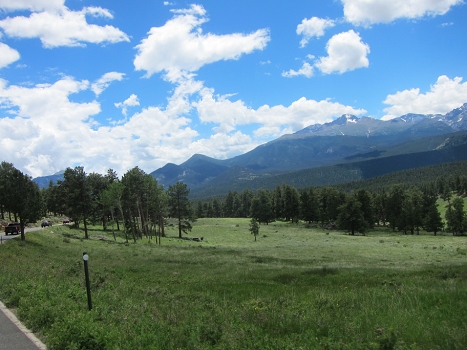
(323, 271)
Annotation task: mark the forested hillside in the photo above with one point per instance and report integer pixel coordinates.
(331, 175)
(449, 172)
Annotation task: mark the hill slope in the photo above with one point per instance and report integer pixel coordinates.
(319, 145)
(450, 148)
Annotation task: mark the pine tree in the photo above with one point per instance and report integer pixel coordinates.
(309, 205)
(261, 208)
(351, 216)
(394, 207)
(254, 227)
(367, 208)
(179, 206)
(455, 217)
(432, 220)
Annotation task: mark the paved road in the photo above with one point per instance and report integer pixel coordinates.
(3, 237)
(13, 335)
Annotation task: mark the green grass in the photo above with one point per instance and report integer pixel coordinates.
(295, 288)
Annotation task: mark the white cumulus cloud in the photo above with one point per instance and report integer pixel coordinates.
(47, 132)
(7, 55)
(224, 145)
(273, 121)
(306, 70)
(45, 125)
(32, 5)
(131, 101)
(346, 52)
(70, 28)
(444, 96)
(103, 82)
(313, 27)
(367, 12)
(179, 47)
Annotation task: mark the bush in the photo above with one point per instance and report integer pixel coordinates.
(77, 331)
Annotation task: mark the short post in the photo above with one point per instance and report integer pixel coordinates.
(86, 273)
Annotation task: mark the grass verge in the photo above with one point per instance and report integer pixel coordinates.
(295, 288)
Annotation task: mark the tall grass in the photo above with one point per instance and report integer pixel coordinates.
(295, 288)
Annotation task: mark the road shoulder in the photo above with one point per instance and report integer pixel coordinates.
(21, 327)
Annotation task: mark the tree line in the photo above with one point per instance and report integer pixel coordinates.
(135, 203)
(408, 210)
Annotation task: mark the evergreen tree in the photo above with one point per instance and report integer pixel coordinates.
(97, 184)
(329, 201)
(291, 203)
(246, 197)
(432, 221)
(216, 208)
(380, 203)
(254, 227)
(158, 206)
(309, 210)
(179, 206)
(367, 207)
(229, 210)
(351, 216)
(455, 217)
(111, 199)
(77, 196)
(209, 211)
(463, 186)
(199, 210)
(261, 208)
(278, 203)
(52, 198)
(413, 210)
(138, 188)
(394, 207)
(27, 204)
(237, 206)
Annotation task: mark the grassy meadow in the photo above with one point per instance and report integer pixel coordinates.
(296, 287)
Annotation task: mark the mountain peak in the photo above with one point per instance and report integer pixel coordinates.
(411, 118)
(344, 119)
(348, 124)
(457, 118)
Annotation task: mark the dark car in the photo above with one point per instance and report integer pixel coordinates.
(13, 228)
(66, 221)
(46, 223)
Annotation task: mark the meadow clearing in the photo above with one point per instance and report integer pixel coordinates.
(296, 287)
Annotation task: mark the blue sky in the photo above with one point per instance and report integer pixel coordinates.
(117, 84)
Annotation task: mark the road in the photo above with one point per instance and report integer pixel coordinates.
(3, 237)
(13, 335)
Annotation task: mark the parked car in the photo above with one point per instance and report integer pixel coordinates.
(66, 221)
(46, 223)
(13, 228)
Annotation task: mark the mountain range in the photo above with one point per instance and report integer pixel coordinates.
(344, 140)
(336, 150)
